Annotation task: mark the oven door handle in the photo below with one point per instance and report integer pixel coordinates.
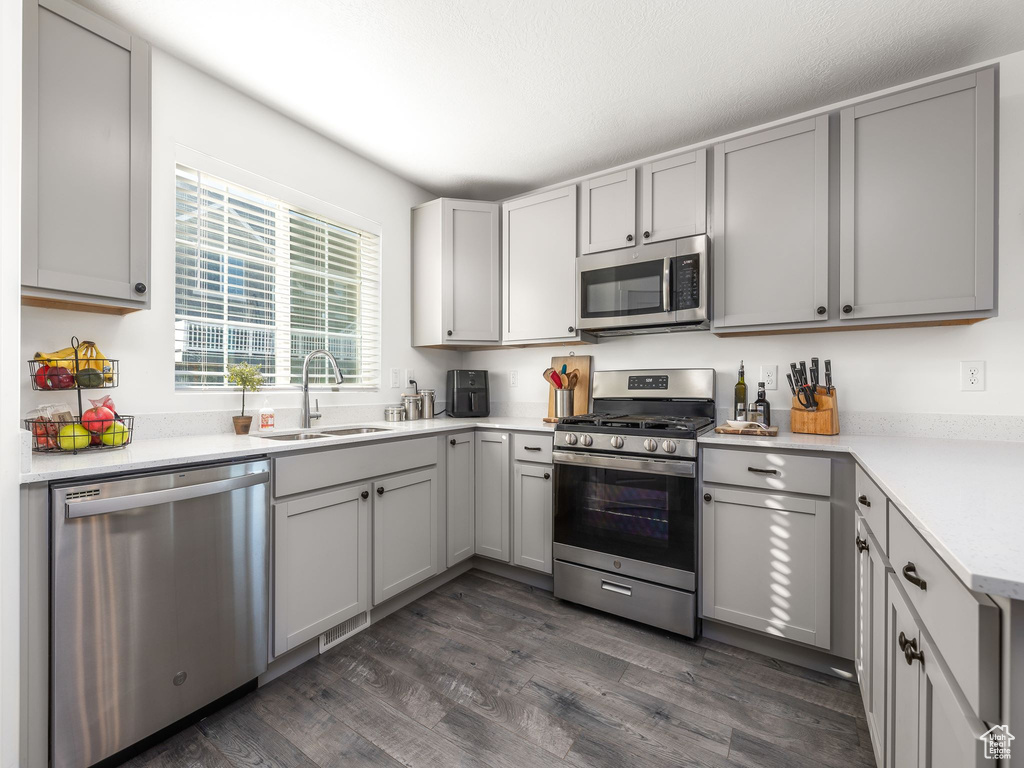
(675, 467)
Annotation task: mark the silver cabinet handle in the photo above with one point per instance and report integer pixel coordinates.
(759, 471)
(531, 448)
(621, 589)
(90, 507)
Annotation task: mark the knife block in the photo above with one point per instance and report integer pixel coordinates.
(824, 421)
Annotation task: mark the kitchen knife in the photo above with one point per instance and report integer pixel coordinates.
(828, 376)
(803, 372)
(792, 388)
(796, 373)
(814, 374)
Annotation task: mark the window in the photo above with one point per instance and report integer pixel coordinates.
(262, 281)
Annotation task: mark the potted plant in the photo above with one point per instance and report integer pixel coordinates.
(248, 377)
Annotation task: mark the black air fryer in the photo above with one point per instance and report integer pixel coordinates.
(467, 394)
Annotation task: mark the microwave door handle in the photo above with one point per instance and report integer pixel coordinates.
(666, 287)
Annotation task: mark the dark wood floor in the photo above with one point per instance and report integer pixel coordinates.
(489, 672)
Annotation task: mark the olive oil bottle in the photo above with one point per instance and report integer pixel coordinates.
(739, 411)
(761, 410)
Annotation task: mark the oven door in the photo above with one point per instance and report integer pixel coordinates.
(626, 515)
(625, 288)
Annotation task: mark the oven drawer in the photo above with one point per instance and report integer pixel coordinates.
(533, 447)
(663, 607)
(963, 624)
(768, 470)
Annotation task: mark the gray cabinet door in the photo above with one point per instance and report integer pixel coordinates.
(917, 202)
(470, 271)
(404, 532)
(531, 517)
(771, 227)
(673, 196)
(608, 212)
(903, 684)
(492, 495)
(461, 492)
(869, 650)
(87, 160)
(321, 563)
(754, 540)
(539, 255)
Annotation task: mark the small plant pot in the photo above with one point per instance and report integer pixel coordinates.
(242, 424)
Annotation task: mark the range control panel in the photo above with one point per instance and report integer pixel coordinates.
(647, 382)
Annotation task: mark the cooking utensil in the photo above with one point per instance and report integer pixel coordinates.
(553, 378)
(564, 380)
(828, 376)
(803, 373)
(574, 377)
(796, 374)
(814, 373)
(805, 397)
(564, 367)
(792, 387)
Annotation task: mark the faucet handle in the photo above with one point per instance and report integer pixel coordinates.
(315, 414)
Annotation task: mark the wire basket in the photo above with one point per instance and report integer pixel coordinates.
(56, 374)
(73, 436)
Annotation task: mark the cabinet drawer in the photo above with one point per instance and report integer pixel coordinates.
(769, 470)
(301, 472)
(533, 447)
(963, 624)
(871, 503)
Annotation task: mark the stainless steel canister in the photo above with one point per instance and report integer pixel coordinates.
(563, 403)
(394, 413)
(428, 403)
(413, 407)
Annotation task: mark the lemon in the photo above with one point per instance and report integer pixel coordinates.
(116, 434)
(73, 437)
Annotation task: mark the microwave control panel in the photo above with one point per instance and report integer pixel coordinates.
(687, 282)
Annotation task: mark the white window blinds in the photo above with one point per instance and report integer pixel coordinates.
(261, 281)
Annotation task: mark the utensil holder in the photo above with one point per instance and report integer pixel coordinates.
(824, 421)
(563, 403)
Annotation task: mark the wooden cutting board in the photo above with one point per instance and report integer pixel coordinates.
(581, 394)
(769, 432)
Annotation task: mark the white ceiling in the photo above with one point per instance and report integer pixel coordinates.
(487, 98)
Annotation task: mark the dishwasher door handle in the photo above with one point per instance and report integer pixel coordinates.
(91, 507)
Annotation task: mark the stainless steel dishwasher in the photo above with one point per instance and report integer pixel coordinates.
(159, 601)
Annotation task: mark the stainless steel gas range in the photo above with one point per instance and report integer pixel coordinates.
(625, 496)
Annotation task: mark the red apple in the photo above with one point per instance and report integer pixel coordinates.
(96, 420)
(59, 377)
(41, 381)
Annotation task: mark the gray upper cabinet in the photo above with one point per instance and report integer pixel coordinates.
(771, 227)
(86, 191)
(456, 273)
(539, 262)
(608, 212)
(673, 196)
(917, 220)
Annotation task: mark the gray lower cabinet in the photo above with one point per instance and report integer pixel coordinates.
(930, 724)
(871, 605)
(456, 273)
(532, 516)
(493, 521)
(539, 267)
(771, 227)
(767, 563)
(917, 225)
(405, 520)
(461, 497)
(673, 197)
(86, 193)
(321, 563)
(608, 212)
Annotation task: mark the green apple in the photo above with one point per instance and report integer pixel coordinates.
(116, 434)
(73, 437)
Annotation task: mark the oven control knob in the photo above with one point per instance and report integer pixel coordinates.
(617, 442)
(570, 439)
(669, 446)
(650, 445)
(586, 441)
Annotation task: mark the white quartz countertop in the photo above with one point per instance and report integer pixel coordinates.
(962, 496)
(176, 451)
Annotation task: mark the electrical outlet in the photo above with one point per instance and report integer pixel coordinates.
(410, 374)
(770, 376)
(396, 378)
(972, 376)
(513, 378)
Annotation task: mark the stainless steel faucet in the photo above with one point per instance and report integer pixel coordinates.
(306, 417)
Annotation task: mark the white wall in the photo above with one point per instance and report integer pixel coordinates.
(913, 370)
(194, 110)
(10, 370)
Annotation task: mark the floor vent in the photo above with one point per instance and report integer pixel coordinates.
(335, 635)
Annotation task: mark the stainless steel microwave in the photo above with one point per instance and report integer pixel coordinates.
(657, 287)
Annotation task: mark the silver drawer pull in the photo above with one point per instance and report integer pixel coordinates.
(763, 471)
(621, 589)
(531, 447)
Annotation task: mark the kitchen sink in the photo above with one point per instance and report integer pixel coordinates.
(353, 431)
(299, 436)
